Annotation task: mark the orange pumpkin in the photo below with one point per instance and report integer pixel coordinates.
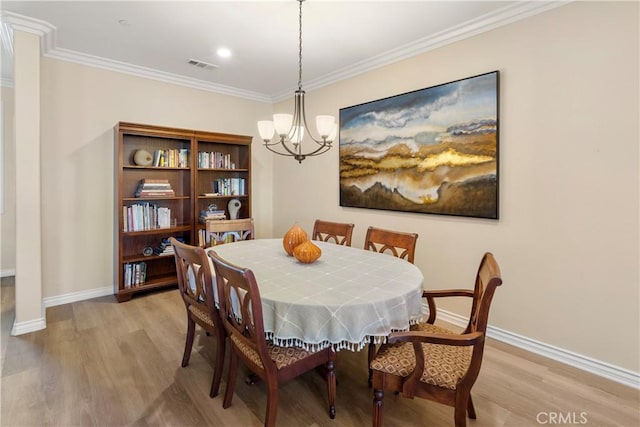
(307, 252)
(293, 238)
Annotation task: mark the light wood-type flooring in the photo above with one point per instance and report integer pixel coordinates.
(101, 363)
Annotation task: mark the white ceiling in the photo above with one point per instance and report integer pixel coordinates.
(340, 38)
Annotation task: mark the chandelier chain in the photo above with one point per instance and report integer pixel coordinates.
(300, 46)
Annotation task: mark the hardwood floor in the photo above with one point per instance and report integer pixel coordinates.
(101, 363)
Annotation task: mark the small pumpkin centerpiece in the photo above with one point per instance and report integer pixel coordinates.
(292, 238)
(307, 252)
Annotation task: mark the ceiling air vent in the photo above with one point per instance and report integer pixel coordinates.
(202, 64)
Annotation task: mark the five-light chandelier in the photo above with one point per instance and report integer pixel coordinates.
(290, 129)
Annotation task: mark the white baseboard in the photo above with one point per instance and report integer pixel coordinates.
(597, 367)
(33, 325)
(77, 296)
(7, 273)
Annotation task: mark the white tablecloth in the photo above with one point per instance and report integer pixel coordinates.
(343, 299)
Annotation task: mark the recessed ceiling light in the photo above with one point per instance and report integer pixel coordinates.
(223, 52)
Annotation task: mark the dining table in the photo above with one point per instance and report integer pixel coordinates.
(346, 299)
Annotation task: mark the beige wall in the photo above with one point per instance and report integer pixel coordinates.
(567, 238)
(80, 107)
(8, 215)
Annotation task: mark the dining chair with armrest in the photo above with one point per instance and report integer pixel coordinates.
(338, 232)
(195, 281)
(241, 313)
(225, 230)
(397, 243)
(433, 362)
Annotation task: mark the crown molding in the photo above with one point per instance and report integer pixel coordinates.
(149, 73)
(487, 22)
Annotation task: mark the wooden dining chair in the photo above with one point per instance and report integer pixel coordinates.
(436, 363)
(195, 280)
(338, 232)
(241, 313)
(229, 230)
(396, 243)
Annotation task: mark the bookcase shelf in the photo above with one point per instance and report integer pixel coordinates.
(134, 271)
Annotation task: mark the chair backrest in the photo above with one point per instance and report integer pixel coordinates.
(326, 231)
(195, 278)
(488, 278)
(398, 243)
(240, 308)
(230, 230)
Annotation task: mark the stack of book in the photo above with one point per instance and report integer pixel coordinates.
(165, 247)
(211, 214)
(154, 188)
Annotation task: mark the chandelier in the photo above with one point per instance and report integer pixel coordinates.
(290, 129)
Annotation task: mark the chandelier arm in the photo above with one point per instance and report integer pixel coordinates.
(322, 141)
(289, 151)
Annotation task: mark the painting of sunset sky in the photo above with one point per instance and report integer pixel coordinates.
(434, 150)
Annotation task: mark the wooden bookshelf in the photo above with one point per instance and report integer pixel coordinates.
(136, 218)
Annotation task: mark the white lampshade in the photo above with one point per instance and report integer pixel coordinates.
(266, 129)
(296, 135)
(333, 133)
(282, 123)
(325, 124)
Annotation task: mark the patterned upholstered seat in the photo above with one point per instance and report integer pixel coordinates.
(281, 356)
(444, 365)
(435, 363)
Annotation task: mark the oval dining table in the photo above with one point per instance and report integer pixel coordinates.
(342, 300)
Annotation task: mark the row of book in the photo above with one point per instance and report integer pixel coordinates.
(208, 239)
(229, 187)
(215, 160)
(174, 158)
(135, 274)
(154, 188)
(145, 216)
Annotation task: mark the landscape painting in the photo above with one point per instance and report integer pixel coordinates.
(433, 150)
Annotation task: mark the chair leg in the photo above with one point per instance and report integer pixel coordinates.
(376, 417)
(231, 379)
(331, 385)
(188, 345)
(272, 403)
(470, 409)
(219, 364)
(460, 415)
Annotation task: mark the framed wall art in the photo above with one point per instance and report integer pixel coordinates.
(433, 150)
